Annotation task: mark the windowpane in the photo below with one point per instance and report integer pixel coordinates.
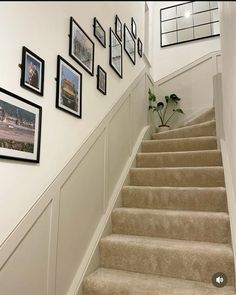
(202, 18)
(168, 13)
(185, 9)
(169, 38)
(169, 26)
(185, 35)
(202, 31)
(184, 22)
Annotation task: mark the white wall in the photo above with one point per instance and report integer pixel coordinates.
(172, 58)
(228, 103)
(43, 27)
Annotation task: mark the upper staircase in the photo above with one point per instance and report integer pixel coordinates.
(172, 233)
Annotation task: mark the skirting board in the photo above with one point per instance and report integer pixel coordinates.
(91, 259)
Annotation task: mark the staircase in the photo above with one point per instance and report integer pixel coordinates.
(172, 233)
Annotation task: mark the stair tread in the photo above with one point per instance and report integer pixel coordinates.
(181, 152)
(179, 139)
(106, 281)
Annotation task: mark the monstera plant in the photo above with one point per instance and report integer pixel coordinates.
(163, 109)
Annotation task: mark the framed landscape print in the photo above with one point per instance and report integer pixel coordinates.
(99, 32)
(32, 71)
(140, 47)
(81, 47)
(20, 128)
(129, 44)
(118, 28)
(101, 80)
(69, 88)
(116, 60)
(133, 28)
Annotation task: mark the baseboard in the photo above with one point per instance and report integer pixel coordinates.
(91, 259)
(230, 195)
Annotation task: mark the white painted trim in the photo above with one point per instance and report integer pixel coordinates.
(230, 196)
(146, 60)
(188, 67)
(78, 279)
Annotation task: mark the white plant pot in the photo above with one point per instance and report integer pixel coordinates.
(163, 128)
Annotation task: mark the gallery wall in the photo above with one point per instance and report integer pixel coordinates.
(172, 58)
(43, 27)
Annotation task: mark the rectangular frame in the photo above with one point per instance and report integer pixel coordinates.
(68, 94)
(98, 34)
(133, 28)
(101, 84)
(194, 26)
(32, 72)
(118, 27)
(114, 54)
(77, 47)
(129, 44)
(20, 128)
(140, 47)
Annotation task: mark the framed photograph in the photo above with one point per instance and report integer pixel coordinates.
(140, 48)
(69, 88)
(81, 47)
(133, 28)
(101, 80)
(32, 71)
(118, 28)
(99, 32)
(116, 60)
(129, 44)
(20, 128)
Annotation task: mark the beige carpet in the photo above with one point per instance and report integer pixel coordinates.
(172, 233)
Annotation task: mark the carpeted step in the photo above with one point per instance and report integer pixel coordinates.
(106, 281)
(202, 129)
(184, 177)
(209, 115)
(175, 198)
(179, 159)
(180, 144)
(189, 260)
(172, 224)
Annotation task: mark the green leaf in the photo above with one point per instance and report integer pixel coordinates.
(179, 111)
(174, 98)
(167, 98)
(150, 107)
(151, 96)
(160, 106)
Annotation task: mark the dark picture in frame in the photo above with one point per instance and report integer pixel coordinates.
(129, 44)
(140, 48)
(20, 128)
(116, 60)
(69, 88)
(133, 28)
(81, 47)
(118, 28)
(32, 71)
(99, 32)
(101, 80)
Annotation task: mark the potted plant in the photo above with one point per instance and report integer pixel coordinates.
(163, 109)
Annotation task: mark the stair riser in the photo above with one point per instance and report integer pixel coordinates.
(176, 199)
(172, 225)
(179, 160)
(191, 131)
(207, 116)
(185, 177)
(196, 265)
(179, 145)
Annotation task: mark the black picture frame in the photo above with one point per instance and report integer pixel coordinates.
(133, 28)
(32, 72)
(101, 80)
(116, 54)
(99, 32)
(129, 44)
(118, 27)
(69, 88)
(20, 128)
(77, 47)
(140, 47)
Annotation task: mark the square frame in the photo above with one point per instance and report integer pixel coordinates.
(96, 32)
(20, 128)
(140, 48)
(77, 47)
(118, 27)
(129, 44)
(133, 28)
(100, 87)
(32, 72)
(114, 54)
(69, 88)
